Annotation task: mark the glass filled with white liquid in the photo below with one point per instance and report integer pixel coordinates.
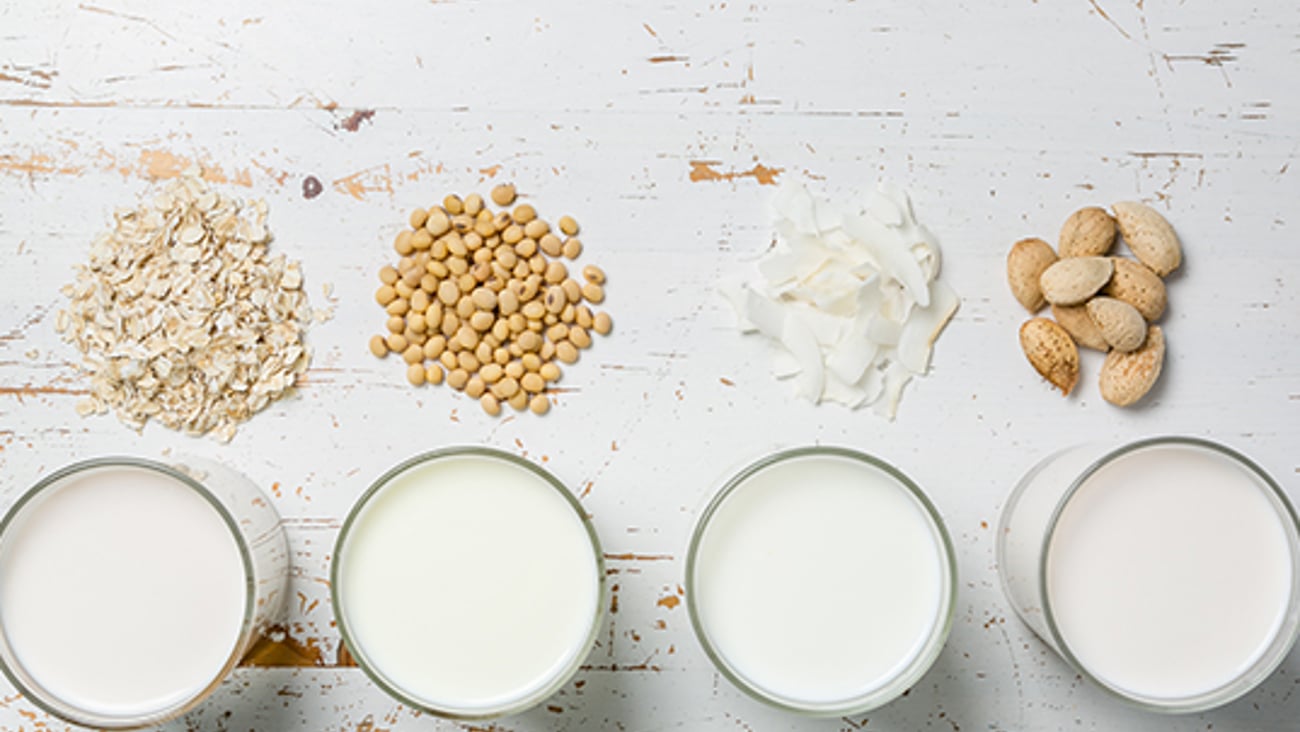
(130, 589)
(468, 582)
(1166, 571)
(822, 581)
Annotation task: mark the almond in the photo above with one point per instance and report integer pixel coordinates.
(1150, 236)
(1075, 320)
(1025, 264)
(1137, 285)
(1120, 324)
(1072, 281)
(1051, 352)
(1127, 377)
(1089, 232)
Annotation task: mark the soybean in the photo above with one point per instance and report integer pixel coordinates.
(503, 195)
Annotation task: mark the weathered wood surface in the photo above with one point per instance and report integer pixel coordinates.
(658, 126)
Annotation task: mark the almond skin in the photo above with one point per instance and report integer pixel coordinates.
(1089, 232)
(1075, 320)
(1137, 285)
(1025, 264)
(1127, 377)
(1120, 324)
(1150, 236)
(1051, 352)
(1072, 281)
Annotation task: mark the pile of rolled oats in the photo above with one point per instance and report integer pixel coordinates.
(182, 317)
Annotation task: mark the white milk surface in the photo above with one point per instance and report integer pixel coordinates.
(122, 591)
(1169, 572)
(469, 583)
(819, 579)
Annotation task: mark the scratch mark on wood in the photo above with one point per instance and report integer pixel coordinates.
(32, 390)
(624, 667)
(20, 330)
(649, 30)
(307, 522)
(55, 104)
(279, 176)
(1221, 54)
(29, 76)
(36, 163)
(704, 170)
(678, 90)
(1096, 6)
(127, 16)
(669, 59)
(377, 179)
(1153, 155)
(630, 557)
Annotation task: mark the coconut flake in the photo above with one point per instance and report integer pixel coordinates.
(784, 364)
(891, 253)
(799, 340)
(849, 298)
(855, 352)
(896, 377)
(767, 315)
(917, 337)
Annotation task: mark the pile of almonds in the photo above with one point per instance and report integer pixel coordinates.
(482, 301)
(1099, 301)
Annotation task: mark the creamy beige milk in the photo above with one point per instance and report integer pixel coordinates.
(1169, 573)
(122, 591)
(468, 584)
(819, 580)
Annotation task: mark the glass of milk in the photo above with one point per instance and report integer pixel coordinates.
(822, 581)
(468, 582)
(1167, 570)
(129, 589)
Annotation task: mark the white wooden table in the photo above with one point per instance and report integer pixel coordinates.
(657, 125)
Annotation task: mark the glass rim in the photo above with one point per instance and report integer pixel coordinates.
(1278, 646)
(52, 703)
(938, 633)
(394, 689)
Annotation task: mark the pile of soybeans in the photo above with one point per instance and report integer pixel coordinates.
(483, 301)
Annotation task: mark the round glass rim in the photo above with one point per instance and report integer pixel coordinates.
(909, 675)
(395, 690)
(53, 704)
(1278, 647)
